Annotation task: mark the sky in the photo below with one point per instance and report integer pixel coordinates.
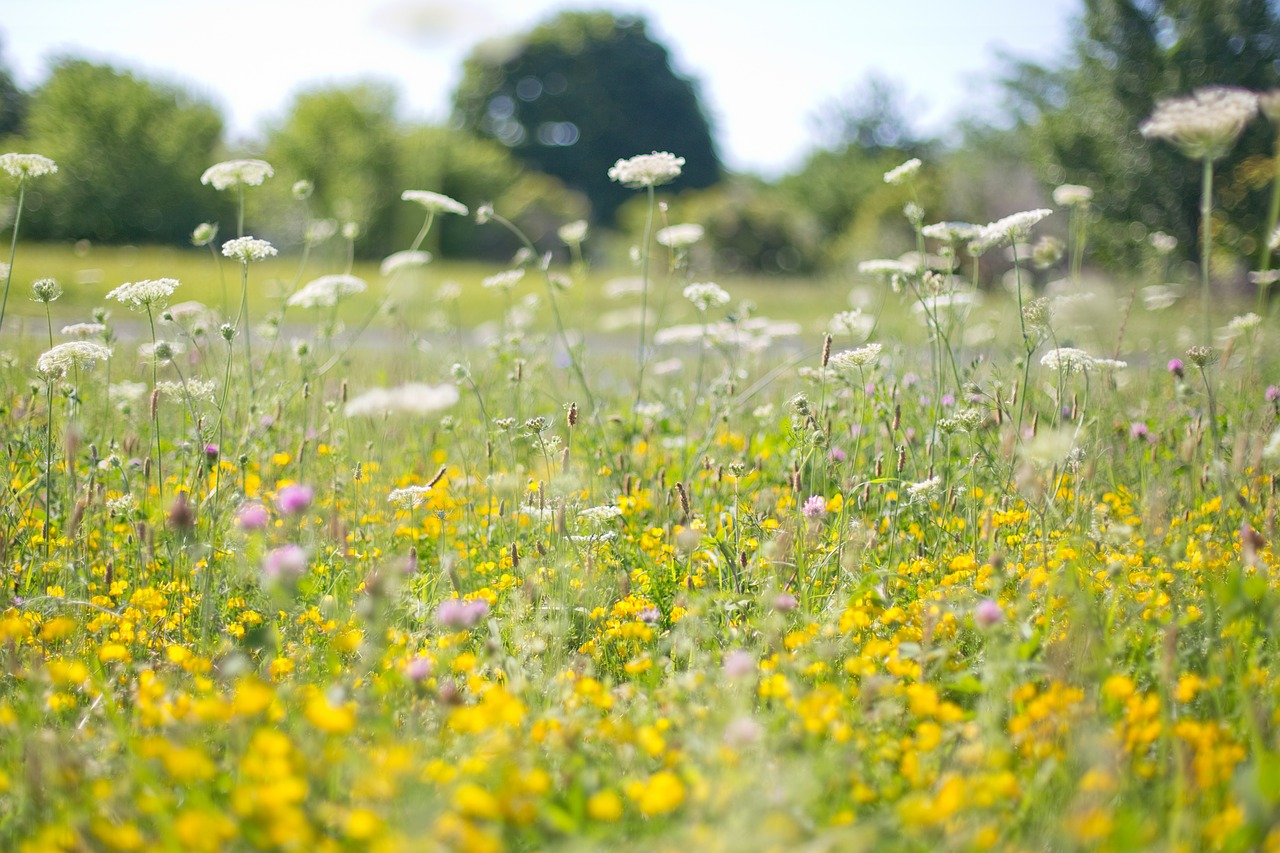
(764, 68)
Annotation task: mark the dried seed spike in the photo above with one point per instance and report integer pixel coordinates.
(626, 485)
(438, 477)
(155, 401)
(897, 417)
(502, 508)
(826, 349)
(344, 391)
(515, 556)
(1035, 424)
(573, 414)
(879, 467)
(902, 458)
(684, 498)
(306, 390)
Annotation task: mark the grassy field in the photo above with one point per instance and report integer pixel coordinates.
(945, 572)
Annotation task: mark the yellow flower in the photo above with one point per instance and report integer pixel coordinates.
(604, 806)
(329, 719)
(660, 794)
(475, 802)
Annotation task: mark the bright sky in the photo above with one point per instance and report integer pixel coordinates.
(764, 66)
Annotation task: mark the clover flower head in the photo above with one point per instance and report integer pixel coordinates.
(24, 166)
(647, 170)
(706, 295)
(456, 613)
(247, 249)
(435, 202)
(235, 173)
(285, 564)
(814, 507)
(1204, 124)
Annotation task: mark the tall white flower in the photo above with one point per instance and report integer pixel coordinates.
(706, 295)
(903, 173)
(504, 280)
(856, 359)
(246, 249)
(27, 165)
(144, 294)
(647, 170)
(414, 398)
(234, 173)
(1068, 360)
(1205, 124)
(56, 362)
(406, 259)
(1010, 229)
(680, 236)
(325, 291)
(434, 202)
(573, 233)
(1072, 194)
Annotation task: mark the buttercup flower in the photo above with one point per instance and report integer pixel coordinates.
(234, 173)
(647, 170)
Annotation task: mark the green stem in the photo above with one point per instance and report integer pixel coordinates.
(1206, 236)
(644, 307)
(13, 248)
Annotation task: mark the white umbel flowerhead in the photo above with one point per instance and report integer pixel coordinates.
(435, 202)
(1206, 123)
(325, 291)
(235, 173)
(647, 170)
(706, 295)
(680, 236)
(246, 249)
(1011, 228)
(144, 294)
(27, 165)
(1068, 195)
(406, 259)
(903, 173)
(56, 362)
(573, 233)
(856, 359)
(414, 398)
(1068, 360)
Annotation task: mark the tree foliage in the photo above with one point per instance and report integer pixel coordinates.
(13, 104)
(582, 91)
(1083, 120)
(130, 153)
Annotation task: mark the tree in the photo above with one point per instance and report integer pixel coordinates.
(344, 140)
(1083, 120)
(130, 153)
(13, 104)
(581, 92)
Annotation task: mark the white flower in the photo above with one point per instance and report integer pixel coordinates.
(1243, 324)
(122, 505)
(504, 280)
(903, 173)
(1205, 124)
(951, 232)
(573, 233)
(127, 392)
(680, 236)
(706, 295)
(1068, 360)
(203, 234)
(234, 173)
(246, 249)
(320, 230)
(434, 202)
(856, 359)
(886, 267)
(647, 170)
(325, 291)
(686, 334)
(27, 165)
(852, 322)
(143, 294)
(63, 357)
(197, 389)
(84, 330)
(409, 497)
(924, 491)
(1157, 297)
(1069, 194)
(1163, 243)
(600, 514)
(403, 260)
(1011, 228)
(414, 398)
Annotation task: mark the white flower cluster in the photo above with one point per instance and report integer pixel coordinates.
(1068, 360)
(951, 232)
(600, 514)
(647, 170)
(1243, 324)
(410, 497)
(246, 249)
(144, 294)
(504, 280)
(56, 362)
(234, 173)
(27, 165)
(572, 233)
(706, 295)
(1072, 194)
(1011, 228)
(855, 359)
(852, 322)
(407, 259)
(903, 173)
(1206, 123)
(325, 291)
(680, 236)
(84, 330)
(196, 389)
(434, 202)
(414, 398)
(924, 491)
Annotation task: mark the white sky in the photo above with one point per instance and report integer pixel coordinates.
(764, 66)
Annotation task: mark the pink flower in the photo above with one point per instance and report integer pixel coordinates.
(988, 613)
(1175, 367)
(815, 507)
(418, 669)
(285, 564)
(1138, 429)
(739, 664)
(785, 602)
(456, 613)
(294, 499)
(838, 455)
(1273, 393)
(252, 516)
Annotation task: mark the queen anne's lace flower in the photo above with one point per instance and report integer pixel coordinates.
(647, 170)
(409, 497)
(393, 263)
(246, 249)
(27, 165)
(144, 294)
(1070, 194)
(1068, 360)
(63, 357)
(951, 232)
(234, 173)
(573, 233)
(600, 514)
(1204, 124)
(414, 398)
(706, 295)
(903, 173)
(504, 280)
(855, 359)
(435, 202)
(680, 236)
(325, 291)
(1013, 227)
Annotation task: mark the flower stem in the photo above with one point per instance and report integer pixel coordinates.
(13, 248)
(1206, 249)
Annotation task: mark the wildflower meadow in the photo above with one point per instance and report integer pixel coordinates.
(947, 562)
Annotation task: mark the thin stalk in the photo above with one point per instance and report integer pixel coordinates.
(1206, 211)
(13, 248)
(644, 306)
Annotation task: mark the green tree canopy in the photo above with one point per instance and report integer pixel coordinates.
(130, 153)
(579, 93)
(1083, 120)
(13, 103)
